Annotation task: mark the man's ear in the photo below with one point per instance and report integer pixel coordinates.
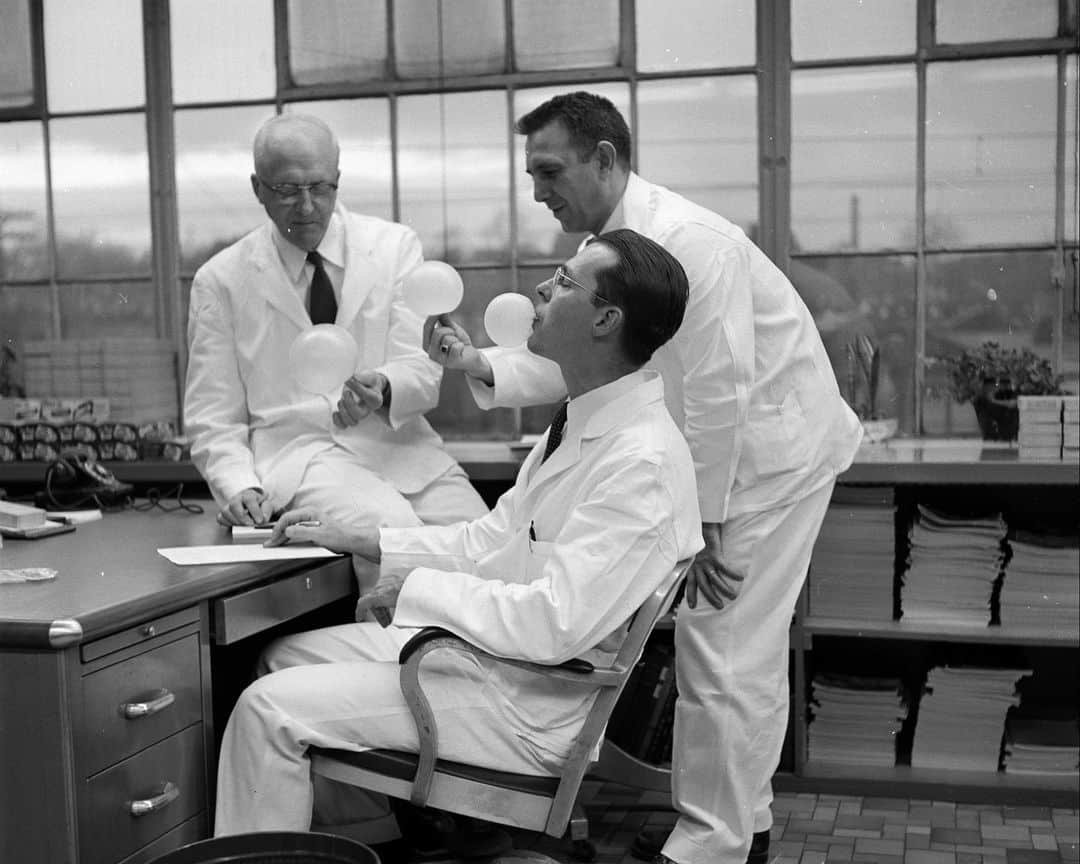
(607, 321)
(606, 155)
(255, 187)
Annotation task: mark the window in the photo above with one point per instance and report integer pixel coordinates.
(925, 225)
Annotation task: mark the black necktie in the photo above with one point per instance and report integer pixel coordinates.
(558, 423)
(321, 303)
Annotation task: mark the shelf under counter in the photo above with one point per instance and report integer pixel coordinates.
(1058, 637)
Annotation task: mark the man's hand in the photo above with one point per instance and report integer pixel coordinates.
(305, 525)
(362, 395)
(449, 345)
(717, 583)
(247, 507)
(381, 600)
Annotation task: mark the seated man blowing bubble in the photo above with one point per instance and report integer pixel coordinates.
(602, 510)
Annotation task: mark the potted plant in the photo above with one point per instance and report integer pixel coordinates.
(991, 378)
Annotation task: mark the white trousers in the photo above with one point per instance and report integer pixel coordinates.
(731, 668)
(338, 687)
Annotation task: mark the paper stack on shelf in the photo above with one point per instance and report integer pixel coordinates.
(953, 564)
(961, 717)
(1040, 431)
(1042, 745)
(851, 572)
(1070, 429)
(855, 719)
(1040, 588)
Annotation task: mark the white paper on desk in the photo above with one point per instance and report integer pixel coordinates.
(230, 554)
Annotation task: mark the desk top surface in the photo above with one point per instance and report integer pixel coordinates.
(110, 575)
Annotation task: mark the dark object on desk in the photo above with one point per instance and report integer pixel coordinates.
(76, 480)
(272, 847)
(34, 532)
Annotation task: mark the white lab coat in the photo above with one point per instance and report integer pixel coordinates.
(251, 423)
(613, 509)
(748, 380)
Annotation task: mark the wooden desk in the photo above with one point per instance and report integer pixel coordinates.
(106, 722)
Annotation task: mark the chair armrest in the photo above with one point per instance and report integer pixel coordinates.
(432, 639)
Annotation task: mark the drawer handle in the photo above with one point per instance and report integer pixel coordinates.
(134, 710)
(169, 793)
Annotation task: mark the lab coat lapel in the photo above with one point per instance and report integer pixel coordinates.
(272, 282)
(360, 270)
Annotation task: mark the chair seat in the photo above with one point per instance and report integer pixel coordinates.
(402, 766)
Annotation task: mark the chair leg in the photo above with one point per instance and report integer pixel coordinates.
(581, 848)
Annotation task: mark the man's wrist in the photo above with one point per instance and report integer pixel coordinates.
(481, 370)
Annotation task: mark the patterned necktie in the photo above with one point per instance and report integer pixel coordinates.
(321, 303)
(558, 423)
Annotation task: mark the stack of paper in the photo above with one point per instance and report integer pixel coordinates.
(851, 573)
(1040, 427)
(1041, 588)
(1042, 745)
(1070, 428)
(855, 719)
(962, 717)
(953, 564)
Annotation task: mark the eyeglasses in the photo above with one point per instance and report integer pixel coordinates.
(289, 193)
(562, 279)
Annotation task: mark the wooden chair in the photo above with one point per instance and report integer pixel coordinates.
(536, 803)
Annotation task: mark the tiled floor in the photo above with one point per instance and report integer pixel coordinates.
(813, 829)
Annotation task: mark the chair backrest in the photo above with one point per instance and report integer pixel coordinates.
(582, 754)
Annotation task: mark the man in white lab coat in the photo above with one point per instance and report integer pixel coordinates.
(748, 380)
(602, 510)
(262, 443)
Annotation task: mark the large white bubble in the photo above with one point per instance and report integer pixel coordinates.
(508, 319)
(433, 288)
(323, 357)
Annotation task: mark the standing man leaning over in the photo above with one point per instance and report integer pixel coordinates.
(262, 443)
(748, 381)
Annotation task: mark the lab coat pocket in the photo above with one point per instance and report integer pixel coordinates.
(777, 439)
(539, 553)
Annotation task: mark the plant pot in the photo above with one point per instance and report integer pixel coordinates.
(999, 419)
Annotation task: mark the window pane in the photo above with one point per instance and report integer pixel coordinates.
(694, 34)
(337, 40)
(213, 189)
(103, 71)
(689, 123)
(990, 138)
(222, 51)
(853, 158)
(472, 41)
(453, 174)
(99, 311)
(101, 199)
(457, 415)
(362, 127)
(1072, 142)
(539, 234)
(1001, 296)
(989, 20)
(825, 29)
(23, 230)
(855, 296)
(565, 34)
(16, 63)
(25, 315)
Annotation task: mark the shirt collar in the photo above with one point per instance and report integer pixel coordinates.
(581, 411)
(332, 248)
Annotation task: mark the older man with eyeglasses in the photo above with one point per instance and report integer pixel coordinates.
(364, 455)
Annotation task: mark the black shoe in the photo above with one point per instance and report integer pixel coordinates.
(648, 845)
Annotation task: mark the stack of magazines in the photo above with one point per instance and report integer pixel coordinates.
(953, 565)
(1040, 588)
(851, 573)
(961, 718)
(855, 719)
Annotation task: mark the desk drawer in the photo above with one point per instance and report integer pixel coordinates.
(173, 767)
(133, 703)
(253, 611)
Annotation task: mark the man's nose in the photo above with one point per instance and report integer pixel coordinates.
(541, 191)
(306, 201)
(544, 289)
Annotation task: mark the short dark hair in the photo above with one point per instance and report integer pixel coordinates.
(588, 118)
(649, 285)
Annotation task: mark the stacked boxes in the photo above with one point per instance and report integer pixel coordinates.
(1040, 435)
